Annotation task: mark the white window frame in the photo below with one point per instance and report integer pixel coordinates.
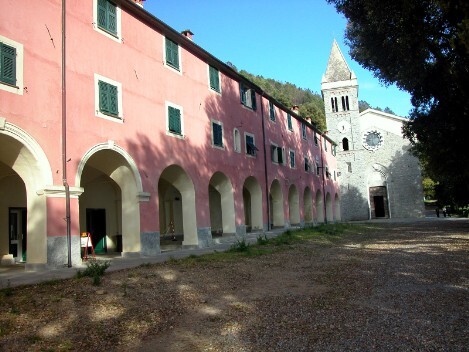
(179, 107)
(236, 140)
(19, 87)
(222, 147)
(118, 38)
(120, 117)
(246, 146)
(276, 156)
(169, 67)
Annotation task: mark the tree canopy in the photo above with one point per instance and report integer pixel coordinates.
(421, 46)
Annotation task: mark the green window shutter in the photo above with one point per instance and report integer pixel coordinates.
(107, 16)
(273, 153)
(7, 64)
(253, 100)
(242, 93)
(272, 111)
(103, 97)
(292, 159)
(174, 120)
(102, 11)
(172, 54)
(217, 134)
(108, 98)
(113, 100)
(214, 79)
(290, 127)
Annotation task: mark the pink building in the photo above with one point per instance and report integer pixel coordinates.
(128, 130)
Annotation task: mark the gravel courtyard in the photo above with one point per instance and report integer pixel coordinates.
(376, 287)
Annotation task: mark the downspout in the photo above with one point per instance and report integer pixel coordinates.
(265, 165)
(64, 142)
(323, 180)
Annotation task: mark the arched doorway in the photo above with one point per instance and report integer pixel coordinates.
(177, 214)
(221, 204)
(319, 207)
(329, 213)
(109, 207)
(252, 201)
(337, 215)
(294, 205)
(276, 204)
(24, 173)
(308, 205)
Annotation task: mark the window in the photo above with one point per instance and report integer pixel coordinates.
(328, 175)
(335, 177)
(107, 16)
(303, 130)
(107, 19)
(172, 54)
(346, 103)
(289, 124)
(217, 134)
(108, 99)
(174, 120)
(11, 66)
(214, 78)
(333, 149)
(272, 111)
(292, 159)
(307, 164)
(250, 145)
(236, 141)
(345, 144)
(349, 166)
(276, 154)
(325, 144)
(315, 138)
(343, 104)
(248, 96)
(7, 64)
(318, 168)
(335, 107)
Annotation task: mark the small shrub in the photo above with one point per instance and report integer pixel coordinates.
(262, 240)
(240, 246)
(94, 269)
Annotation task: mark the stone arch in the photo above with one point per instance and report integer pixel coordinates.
(329, 213)
(176, 194)
(294, 205)
(337, 214)
(25, 173)
(252, 201)
(221, 204)
(308, 205)
(319, 207)
(276, 204)
(109, 205)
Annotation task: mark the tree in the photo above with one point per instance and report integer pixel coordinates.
(421, 46)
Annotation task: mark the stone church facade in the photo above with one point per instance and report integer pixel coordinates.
(379, 178)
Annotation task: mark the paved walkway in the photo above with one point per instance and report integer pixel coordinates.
(11, 276)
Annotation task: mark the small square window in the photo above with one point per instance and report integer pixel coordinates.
(250, 145)
(276, 154)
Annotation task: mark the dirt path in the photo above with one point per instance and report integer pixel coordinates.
(392, 287)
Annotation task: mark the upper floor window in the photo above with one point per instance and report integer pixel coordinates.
(335, 107)
(272, 111)
(333, 149)
(328, 174)
(11, 66)
(174, 120)
(303, 130)
(172, 54)
(307, 164)
(108, 98)
(345, 143)
(248, 96)
(292, 159)
(276, 154)
(236, 141)
(289, 123)
(217, 134)
(250, 144)
(345, 105)
(349, 166)
(315, 138)
(325, 144)
(107, 16)
(214, 78)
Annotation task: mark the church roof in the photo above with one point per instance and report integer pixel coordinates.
(337, 68)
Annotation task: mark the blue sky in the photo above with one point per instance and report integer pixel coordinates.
(289, 41)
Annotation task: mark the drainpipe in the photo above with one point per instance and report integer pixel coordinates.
(323, 180)
(64, 143)
(265, 165)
